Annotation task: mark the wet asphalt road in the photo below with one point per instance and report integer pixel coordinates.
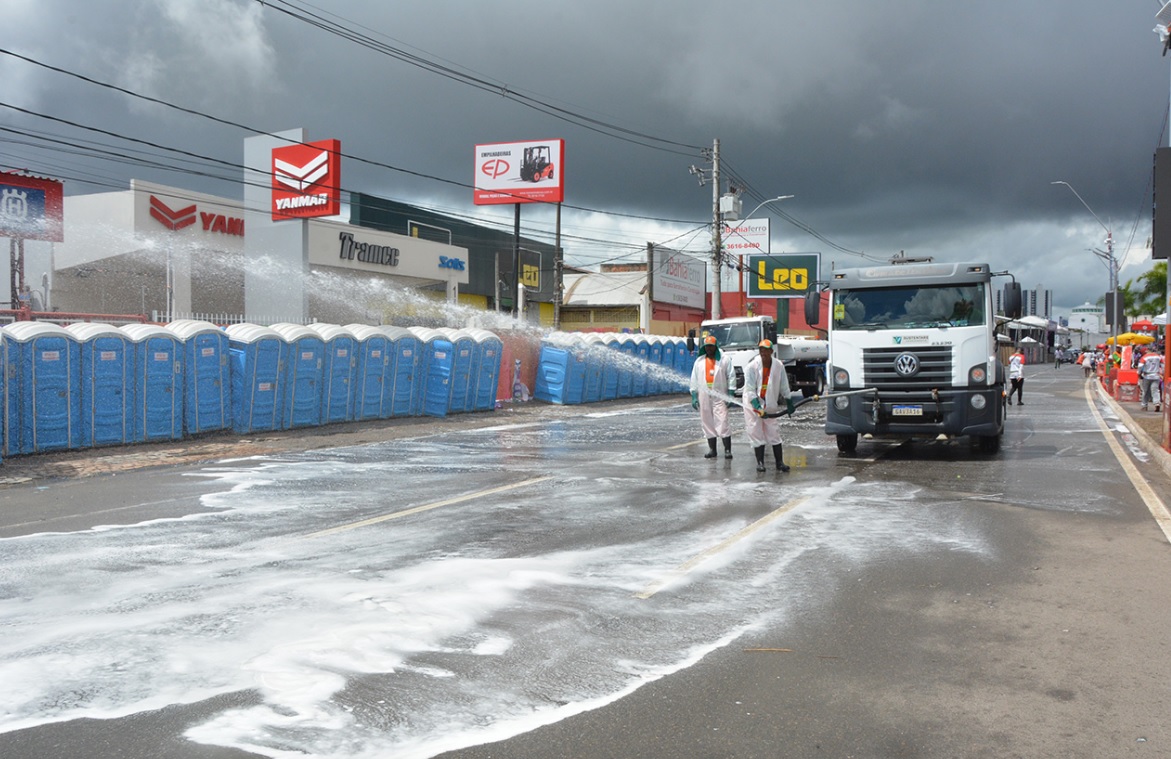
(580, 582)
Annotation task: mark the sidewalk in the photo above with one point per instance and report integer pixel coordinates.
(1146, 426)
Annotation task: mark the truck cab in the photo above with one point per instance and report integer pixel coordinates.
(913, 353)
(739, 337)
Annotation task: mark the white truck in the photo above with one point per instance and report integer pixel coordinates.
(739, 337)
(913, 352)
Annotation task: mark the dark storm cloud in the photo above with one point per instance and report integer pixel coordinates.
(925, 126)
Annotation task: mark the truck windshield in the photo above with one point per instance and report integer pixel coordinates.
(909, 307)
(734, 336)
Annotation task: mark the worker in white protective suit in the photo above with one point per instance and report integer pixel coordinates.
(766, 392)
(711, 378)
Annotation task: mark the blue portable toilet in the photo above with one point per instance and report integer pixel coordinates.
(624, 345)
(435, 371)
(490, 352)
(463, 363)
(404, 378)
(43, 408)
(207, 376)
(683, 362)
(257, 356)
(372, 375)
(594, 364)
(339, 387)
(301, 382)
(158, 390)
(107, 384)
(561, 370)
(600, 354)
(654, 384)
(641, 354)
(552, 371)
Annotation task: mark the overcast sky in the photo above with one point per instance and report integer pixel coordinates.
(917, 125)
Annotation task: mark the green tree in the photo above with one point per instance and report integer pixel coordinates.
(1149, 290)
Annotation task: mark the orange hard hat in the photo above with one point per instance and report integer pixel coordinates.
(765, 343)
(709, 340)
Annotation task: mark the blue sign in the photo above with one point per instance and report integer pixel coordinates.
(451, 263)
(22, 209)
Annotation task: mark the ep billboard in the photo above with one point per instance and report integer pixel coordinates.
(520, 172)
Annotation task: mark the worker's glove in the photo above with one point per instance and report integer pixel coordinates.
(790, 406)
(757, 407)
(694, 399)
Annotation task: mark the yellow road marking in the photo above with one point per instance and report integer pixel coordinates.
(426, 507)
(1133, 475)
(698, 559)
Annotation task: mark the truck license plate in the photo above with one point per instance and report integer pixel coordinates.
(906, 411)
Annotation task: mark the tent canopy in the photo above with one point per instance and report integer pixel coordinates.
(1131, 338)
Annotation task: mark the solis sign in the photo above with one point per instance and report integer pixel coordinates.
(306, 180)
(520, 172)
(30, 208)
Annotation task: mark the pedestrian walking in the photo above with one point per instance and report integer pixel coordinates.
(1016, 375)
(766, 391)
(711, 378)
(1151, 376)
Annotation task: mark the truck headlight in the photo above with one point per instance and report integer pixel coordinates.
(841, 377)
(979, 402)
(978, 375)
(842, 402)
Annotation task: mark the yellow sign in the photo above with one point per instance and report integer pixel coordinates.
(782, 276)
(530, 276)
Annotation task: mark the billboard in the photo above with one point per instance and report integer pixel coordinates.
(520, 172)
(678, 279)
(786, 275)
(30, 208)
(742, 238)
(307, 180)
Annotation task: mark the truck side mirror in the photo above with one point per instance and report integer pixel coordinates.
(1012, 300)
(691, 341)
(812, 308)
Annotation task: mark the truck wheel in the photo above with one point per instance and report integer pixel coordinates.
(848, 443)
(989, 443)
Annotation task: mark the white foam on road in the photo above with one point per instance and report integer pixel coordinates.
(465, 624)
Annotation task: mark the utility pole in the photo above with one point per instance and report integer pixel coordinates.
(717, 232)
(558, 274)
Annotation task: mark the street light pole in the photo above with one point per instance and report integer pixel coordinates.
(1111, 264)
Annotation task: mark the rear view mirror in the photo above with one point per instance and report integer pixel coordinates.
(812, 308)
(1012, 300)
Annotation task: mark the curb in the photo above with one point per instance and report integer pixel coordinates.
(1149, 445)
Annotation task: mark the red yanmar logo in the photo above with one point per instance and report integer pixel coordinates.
(185, 217)
(169, 218)
(306, 180)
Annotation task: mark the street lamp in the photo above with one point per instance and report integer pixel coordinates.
(719, 262)
(1114, 306)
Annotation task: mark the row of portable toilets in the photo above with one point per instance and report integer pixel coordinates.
(586, 368)
(95, 384)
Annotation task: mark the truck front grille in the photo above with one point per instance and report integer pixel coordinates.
(935, 370)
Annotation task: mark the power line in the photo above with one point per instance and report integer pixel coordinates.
(476, 81)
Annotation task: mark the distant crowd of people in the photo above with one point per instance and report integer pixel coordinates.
(1148, 361)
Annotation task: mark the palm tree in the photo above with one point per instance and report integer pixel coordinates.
(1146, 296)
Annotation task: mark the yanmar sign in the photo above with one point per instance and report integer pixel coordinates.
(184, 216)
(306, 180)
